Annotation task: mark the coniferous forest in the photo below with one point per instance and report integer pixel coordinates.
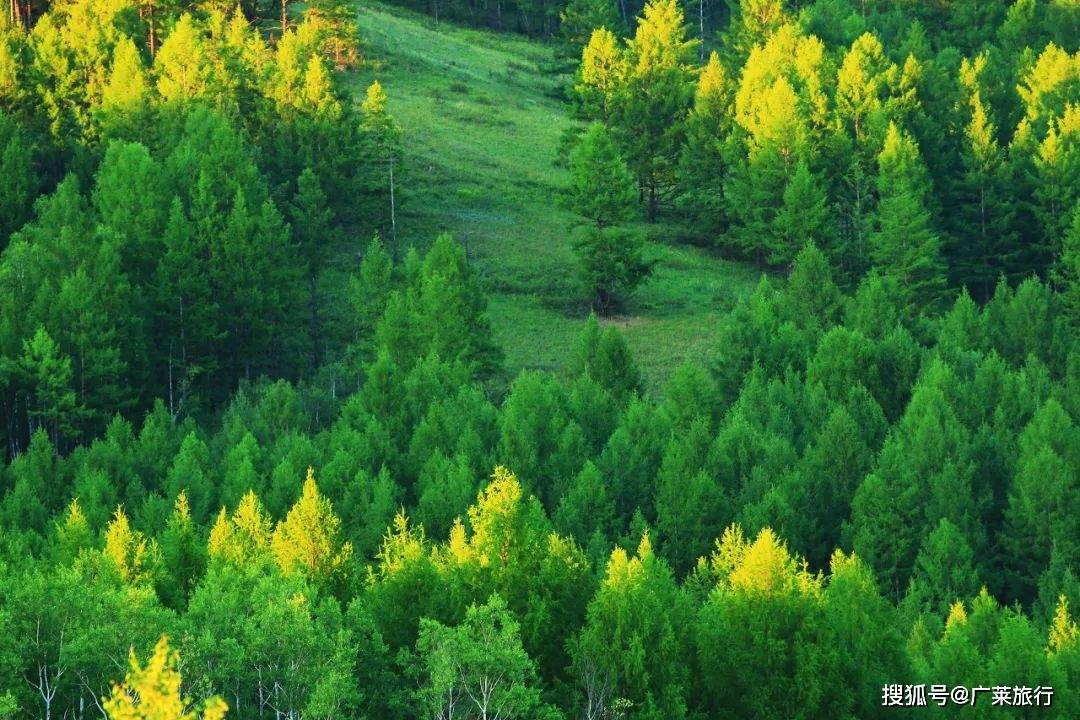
(539, 359)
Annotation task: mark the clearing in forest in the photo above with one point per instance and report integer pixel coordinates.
(482, 115)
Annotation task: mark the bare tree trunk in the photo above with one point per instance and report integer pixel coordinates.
(701, 30)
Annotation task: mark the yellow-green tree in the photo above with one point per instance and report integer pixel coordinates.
(152, 692)
(136, 557)
(245, 537)
(308, 540)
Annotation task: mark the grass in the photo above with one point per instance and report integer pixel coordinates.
(482, 117)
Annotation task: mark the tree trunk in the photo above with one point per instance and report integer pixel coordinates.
(393, 214)
(701, 30)
(316, 326)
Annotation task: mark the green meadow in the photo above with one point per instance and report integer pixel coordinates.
(482, 115)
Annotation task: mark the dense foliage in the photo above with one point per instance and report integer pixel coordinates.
(246, 470)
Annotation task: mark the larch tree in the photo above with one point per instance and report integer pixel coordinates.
(336, 21)
(624, 618)
(602, 191)
(244, 539)
(152, 692)
(986, 246)
(308, 540)
(19, 179)
(651, 110)
(904, 244)
(384, 136)
(135, 556)
(803, 218)
(182, 65)
(600, 76)
(312, 232)
(1067, 270)
(51, 399)
(580, 18)
(703, 164)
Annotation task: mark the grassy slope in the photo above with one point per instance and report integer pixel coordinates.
(481, 125)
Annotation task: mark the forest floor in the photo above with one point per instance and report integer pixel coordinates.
(482, 116)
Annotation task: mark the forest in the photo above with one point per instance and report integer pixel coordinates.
(539, 359)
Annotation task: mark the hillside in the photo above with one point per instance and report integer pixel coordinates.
(482, 118)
